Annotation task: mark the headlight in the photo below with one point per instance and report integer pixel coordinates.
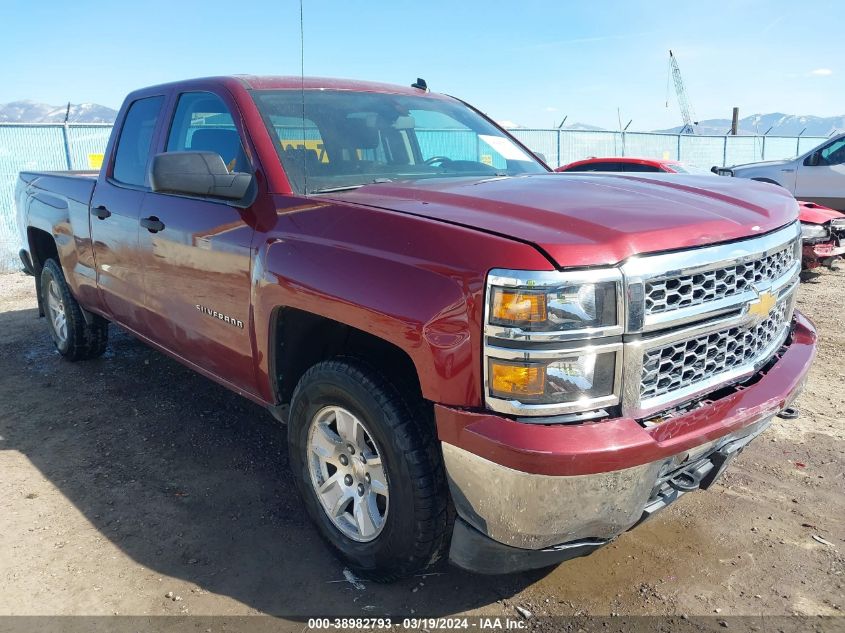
(813, 231)
(548, 347)
(554, 306)
(566, 307)
(583, 377)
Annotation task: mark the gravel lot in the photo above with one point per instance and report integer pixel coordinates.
(130, 485)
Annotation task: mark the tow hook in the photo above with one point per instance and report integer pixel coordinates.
(789, 413)
(685, 481)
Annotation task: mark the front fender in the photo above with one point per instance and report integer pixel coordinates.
(781, 174)
(413, 282)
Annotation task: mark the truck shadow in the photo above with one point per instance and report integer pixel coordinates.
(192, 481)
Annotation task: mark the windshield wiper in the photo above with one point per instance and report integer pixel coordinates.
(351, 187)
(333, 189)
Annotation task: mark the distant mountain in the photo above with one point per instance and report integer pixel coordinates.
(31, 112)
(581, 126)
(510, 125)
(780, 124)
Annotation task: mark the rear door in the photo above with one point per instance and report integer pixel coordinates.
(821, 176)
(115, 209)
(197, 263)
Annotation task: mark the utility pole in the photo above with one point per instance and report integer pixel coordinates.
(66, 138)
(735, 122)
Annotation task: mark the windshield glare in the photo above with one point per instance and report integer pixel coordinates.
(348, 139)
(689, 169)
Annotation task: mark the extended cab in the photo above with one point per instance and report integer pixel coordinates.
(473, 355)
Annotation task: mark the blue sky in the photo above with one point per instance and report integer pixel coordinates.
(526, 62)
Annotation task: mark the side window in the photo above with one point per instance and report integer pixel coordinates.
(585, 167)
(136, 137)
(640, 167)
(203, 123)
(833, 154)
(598, 166)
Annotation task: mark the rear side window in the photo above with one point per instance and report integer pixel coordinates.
(203, 123)
(136, 138)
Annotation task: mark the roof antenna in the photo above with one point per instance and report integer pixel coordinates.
(302, 92)
(420, 84)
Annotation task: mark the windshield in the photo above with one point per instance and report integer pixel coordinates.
(348, 139)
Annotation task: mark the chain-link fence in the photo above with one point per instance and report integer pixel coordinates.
(48, 147)
(81, 146)
(561, 147)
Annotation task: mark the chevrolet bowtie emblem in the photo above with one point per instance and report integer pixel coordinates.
(763, 306)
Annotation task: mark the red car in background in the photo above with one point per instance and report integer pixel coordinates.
(627, 164)
(823, 234)
(822, 228)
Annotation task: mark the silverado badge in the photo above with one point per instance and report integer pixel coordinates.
(219, 315)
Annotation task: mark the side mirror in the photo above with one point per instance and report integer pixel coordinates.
(812, 160)
(197, 174)
(542, 158)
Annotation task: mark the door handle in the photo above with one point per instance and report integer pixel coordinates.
(101, 212)
(152, 224)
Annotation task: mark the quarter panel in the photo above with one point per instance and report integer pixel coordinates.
(58, 205)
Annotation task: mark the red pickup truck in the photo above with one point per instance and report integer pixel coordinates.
(473, 355)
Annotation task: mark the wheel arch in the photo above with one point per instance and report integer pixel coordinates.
(767, 180)
(42, 246)
(300, 339)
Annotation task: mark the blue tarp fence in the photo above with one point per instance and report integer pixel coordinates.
(80, 146)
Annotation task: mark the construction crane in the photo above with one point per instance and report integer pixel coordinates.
(683, 102)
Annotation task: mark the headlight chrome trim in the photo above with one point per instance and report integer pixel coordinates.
(521, 279)
(515, 407)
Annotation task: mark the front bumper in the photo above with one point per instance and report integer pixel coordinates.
(818, 254)
(530, 495)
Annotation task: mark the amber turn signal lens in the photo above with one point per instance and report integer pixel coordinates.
(510, 380)
(515, 306)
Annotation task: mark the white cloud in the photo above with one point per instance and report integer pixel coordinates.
(821, 72)
(551, 109)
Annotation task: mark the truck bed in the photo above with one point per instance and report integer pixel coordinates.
(44, 196)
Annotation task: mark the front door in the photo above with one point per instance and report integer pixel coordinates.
(115, 211)
(197, 254)
(821, 177)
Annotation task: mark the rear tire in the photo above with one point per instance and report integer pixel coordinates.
(74, 338)
(407, 526)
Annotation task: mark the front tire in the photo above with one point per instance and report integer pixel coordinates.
(369, 469)
(74, 338)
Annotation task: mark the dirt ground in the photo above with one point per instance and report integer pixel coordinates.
(130, 485)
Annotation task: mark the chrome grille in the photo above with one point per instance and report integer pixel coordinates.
(686, 363)
(673, 293)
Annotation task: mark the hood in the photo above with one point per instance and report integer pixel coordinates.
(813, 213)
(763, 164)
(592, 219)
